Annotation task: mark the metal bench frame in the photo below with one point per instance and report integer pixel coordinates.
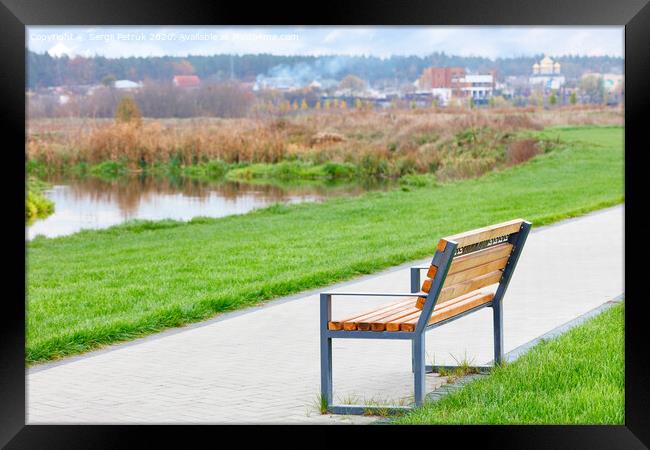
(442, 260)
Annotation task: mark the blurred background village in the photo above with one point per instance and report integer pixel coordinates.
(239, 85)
(156, 123)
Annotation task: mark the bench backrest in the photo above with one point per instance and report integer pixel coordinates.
(465, 263)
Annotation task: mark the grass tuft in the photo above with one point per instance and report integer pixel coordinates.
(321, 404)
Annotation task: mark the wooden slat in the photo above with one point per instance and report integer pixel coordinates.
(411, 318)
(338, 324)
(352, 324)
(426, 285)
(365, 323)
(459, 307)
(485, 233)
(393, 324)
(460, 298)
(457, 289)
(449, 310)
(474, 272)
(464, 262)
(380, 324)
(468, 274)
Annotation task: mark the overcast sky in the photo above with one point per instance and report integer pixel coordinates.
(491, 42)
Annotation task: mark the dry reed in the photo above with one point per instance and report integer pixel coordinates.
(409, 140)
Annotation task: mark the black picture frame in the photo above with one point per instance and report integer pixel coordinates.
(15, 15)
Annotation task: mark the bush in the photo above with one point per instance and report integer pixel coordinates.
(211, 169)
(108, 169)
(36, 204)
(405, 166)
(520, 151)
(339, 170)
(372, 165)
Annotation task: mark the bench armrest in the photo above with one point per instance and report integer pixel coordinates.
(326, 301)
(378, 294)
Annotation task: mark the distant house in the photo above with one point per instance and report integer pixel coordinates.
(441, 78)
(445, 83)
(127, 85)
(479, 87)
(186, 81)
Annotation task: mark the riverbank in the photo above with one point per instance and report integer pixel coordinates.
(128, 280)
(37, 206)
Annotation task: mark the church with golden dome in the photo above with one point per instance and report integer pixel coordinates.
(546, 74)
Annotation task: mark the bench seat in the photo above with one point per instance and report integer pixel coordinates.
(403, 315)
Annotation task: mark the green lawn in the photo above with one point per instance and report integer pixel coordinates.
(103, 286)
(577, 378)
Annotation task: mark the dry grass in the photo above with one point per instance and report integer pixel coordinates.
(389, 143)
(522, 150)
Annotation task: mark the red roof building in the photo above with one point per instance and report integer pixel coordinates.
(187, 81)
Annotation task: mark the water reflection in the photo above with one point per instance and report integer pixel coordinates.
(82, 203)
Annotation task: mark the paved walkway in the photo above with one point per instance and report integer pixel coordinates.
(262, 364)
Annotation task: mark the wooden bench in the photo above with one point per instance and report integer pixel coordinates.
(468, 272)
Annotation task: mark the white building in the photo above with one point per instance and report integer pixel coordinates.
(546, 74)
(127, 85)
(478, 87)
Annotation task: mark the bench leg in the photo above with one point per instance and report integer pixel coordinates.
(326, 369)
(419, 368)
(413, 356)
(415, 279)
(415, 287)
(498, 333)
(325, 350)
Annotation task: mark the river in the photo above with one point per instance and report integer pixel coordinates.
(92, 203)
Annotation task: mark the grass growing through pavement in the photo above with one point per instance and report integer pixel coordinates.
(462, 368)
(577, 378)
(102, 286)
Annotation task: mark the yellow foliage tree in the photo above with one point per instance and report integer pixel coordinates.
(128, 112)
